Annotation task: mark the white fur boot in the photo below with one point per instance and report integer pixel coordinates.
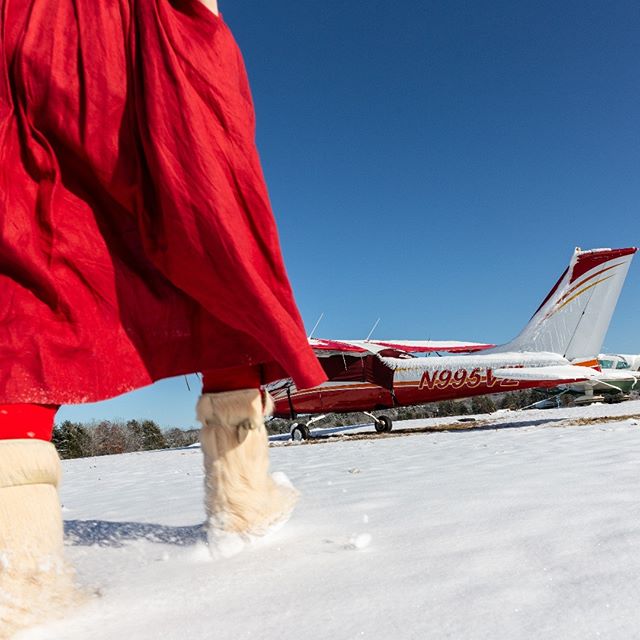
(242, 499)
(34, 582)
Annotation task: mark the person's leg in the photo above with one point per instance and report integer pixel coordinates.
(234, 379)
(242, 499)
(34, 580)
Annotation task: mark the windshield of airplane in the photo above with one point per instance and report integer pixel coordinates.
(618, 363)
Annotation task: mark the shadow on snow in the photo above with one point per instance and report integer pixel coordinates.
(86, 533)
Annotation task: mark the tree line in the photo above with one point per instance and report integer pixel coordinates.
(81, 440)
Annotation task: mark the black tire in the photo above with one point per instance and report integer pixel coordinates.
(384, 424)
(300, 432)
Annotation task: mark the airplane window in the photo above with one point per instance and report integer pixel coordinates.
(622, 365)
(606, 364)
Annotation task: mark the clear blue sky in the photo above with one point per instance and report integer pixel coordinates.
(435, 163)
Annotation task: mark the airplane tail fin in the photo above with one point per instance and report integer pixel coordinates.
(574, 317)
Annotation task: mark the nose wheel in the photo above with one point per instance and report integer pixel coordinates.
(383, 424)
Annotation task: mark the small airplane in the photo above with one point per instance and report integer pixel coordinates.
(619, 375)
(619, 361)
(558, 346)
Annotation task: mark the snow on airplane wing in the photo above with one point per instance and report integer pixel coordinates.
(558, 373)
(326, 347)
(432, 346)
(353, 347)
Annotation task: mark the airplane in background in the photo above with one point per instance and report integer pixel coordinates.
(619, 375)
(619, 361)
(558, 346)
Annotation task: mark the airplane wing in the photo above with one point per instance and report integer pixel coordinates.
(332, 347)
(617, 375)
(431, 346)
(557, 373)
(325, 348)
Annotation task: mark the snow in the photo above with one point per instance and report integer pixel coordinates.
(567, 372)
(475, 361)
(527, 527)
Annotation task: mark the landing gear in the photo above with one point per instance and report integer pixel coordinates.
(383, 424)
(300, 432)
(588, 398)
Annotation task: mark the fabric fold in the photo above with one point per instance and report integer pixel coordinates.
(136, 236)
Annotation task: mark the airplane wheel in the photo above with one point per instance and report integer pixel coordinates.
(300, 432)
(384, 424)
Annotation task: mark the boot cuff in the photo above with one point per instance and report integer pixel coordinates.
(230, 408)
(28, 462)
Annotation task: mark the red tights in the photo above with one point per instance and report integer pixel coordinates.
(18, 421)
(216, 380)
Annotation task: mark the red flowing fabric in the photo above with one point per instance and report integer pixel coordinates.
(136, 235)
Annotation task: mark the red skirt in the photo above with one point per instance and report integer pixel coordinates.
(136, 236)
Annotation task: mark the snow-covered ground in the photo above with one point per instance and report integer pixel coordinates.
(525, 528)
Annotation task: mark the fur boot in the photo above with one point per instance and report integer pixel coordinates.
(242, 500)
(34, 582)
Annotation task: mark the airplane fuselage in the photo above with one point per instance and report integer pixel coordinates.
(415, 381)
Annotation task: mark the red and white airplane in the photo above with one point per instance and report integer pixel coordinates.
(559, 345)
